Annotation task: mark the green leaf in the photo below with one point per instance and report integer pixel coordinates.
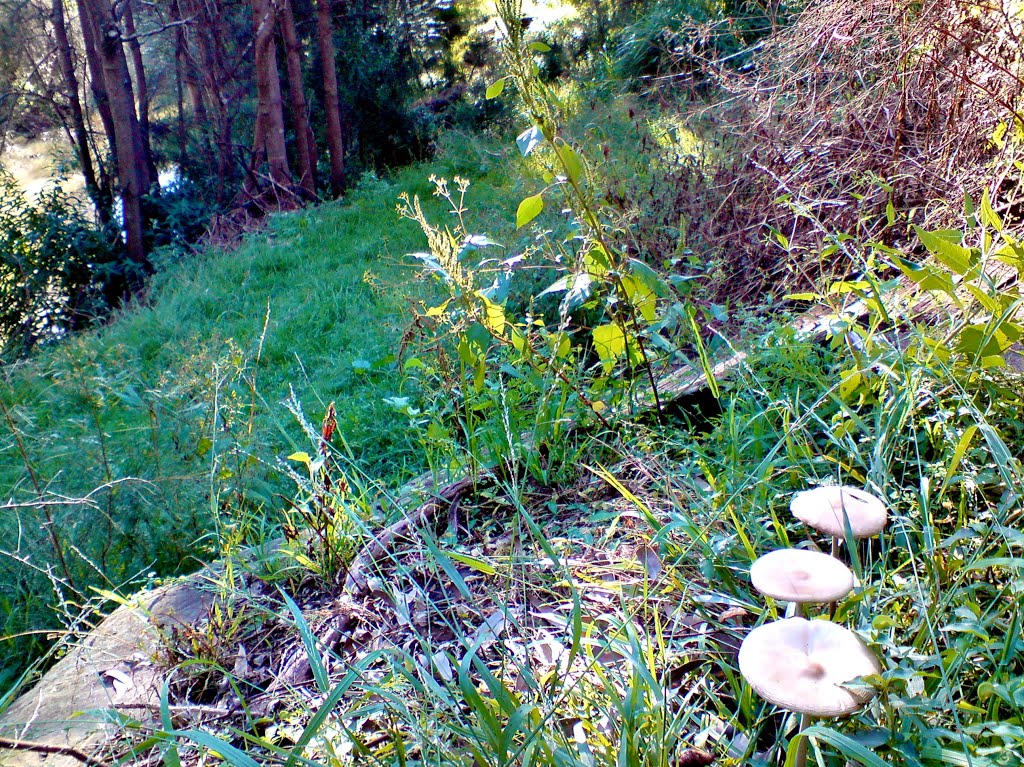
(989, 217)
(540, 47)
(225, 750)
(519, 341)
(596, 261)
(944, 246)
(309, 641)
(495, 89)
(494, 316)
(610, 344)
(570, 160)
(641, 297)
(300, 457)
(477, 564)
(958, 455)
(984, 341)
(846, 745)
(649, 277)
(528, 210)
(926, 277)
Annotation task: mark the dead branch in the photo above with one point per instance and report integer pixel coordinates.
(381, 544)
(50, 748)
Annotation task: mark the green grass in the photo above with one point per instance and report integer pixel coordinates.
(148, 433)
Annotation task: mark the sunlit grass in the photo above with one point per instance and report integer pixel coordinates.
(178, 400)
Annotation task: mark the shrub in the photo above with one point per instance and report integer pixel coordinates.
(58, 270)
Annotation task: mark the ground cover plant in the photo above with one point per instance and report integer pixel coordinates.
(124, 446)
(570, 584)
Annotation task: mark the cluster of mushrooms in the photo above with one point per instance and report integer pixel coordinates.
(803, 665)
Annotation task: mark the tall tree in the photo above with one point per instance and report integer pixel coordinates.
(90, 42)
(80, 135)
(332, 103)
(141, 85)
(304, 143)
(132, 162)
(269, 140)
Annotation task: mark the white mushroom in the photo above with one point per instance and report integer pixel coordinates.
(828, 509)
(801, 666)
(800, 576)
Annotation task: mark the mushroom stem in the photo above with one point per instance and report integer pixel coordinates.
(800, 758)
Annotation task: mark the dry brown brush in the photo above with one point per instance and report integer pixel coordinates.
(859, 108)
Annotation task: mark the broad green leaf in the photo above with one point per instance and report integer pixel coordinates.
(494, 316)
(991, 304)
(468, 352)
(560, 345)
(610, 344)
(850, 382)
(842, 287)
(989, 217)
(596, 261)
(480, 374)
(926, 277)
(540, 47)
(944, 246)
(528, 210)
(519, 341)
(641, 297)
(649, 277)
(846, 745)
(983, 341)
(495, 89)
(570, 160)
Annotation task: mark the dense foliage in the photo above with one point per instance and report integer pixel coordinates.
(633, 334)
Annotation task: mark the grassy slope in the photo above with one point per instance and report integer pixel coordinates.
(183, 396)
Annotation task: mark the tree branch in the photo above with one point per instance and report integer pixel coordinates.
(50, 748)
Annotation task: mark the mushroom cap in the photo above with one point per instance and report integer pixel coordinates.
(798, 575)
(822, 508)
(800, 665)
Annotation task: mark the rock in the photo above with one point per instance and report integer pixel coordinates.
(112, 665)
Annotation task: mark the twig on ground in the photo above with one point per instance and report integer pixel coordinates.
(50, 748)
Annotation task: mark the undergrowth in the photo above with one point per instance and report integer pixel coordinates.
(123, 447)
(571, 585)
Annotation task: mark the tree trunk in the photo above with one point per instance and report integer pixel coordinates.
(269, 139)
(208, 76)
(132, 165)
(141, 87)
(100, 200)
(332, 104)
(179, 86)
(303, 133)
(97, 86)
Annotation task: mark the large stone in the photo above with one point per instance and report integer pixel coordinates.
(111, 666)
